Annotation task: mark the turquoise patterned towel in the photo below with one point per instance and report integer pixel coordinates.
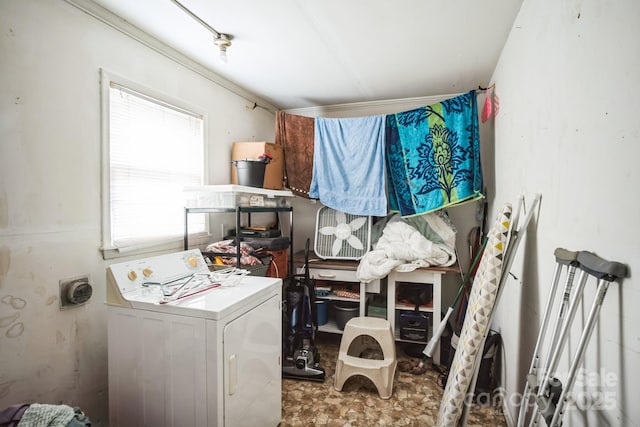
(433, 156)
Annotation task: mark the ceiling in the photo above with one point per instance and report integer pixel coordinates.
(303, 53)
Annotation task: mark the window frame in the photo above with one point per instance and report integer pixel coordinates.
(108, 250)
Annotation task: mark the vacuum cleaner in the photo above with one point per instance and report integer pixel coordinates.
(300, 357)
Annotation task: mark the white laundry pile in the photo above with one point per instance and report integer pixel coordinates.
(410, 243)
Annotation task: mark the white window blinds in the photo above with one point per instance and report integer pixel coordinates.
(155, 150)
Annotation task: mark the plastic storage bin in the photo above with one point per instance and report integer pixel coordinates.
(375, 311)
(232, 196)
(414, 325)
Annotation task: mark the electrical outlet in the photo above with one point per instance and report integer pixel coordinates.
(74, 291)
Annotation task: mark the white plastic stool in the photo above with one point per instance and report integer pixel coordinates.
(380, 372)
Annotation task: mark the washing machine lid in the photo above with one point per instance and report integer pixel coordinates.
(224, 301)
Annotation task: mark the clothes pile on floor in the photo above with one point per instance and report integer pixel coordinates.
(45, 415)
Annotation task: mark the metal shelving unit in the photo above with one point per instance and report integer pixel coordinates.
(239, 210)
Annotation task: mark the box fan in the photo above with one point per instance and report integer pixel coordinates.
(341, 235)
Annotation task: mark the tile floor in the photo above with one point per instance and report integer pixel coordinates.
(415, 400)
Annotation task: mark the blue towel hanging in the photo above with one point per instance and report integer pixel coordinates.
(348, 165)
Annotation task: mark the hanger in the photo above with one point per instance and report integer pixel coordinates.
(486, 88)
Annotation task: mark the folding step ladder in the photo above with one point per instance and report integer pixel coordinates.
(551, 396)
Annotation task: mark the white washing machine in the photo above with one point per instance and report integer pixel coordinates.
(192, 348)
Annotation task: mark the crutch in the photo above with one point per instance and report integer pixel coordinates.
(552, 395)
(563, 258)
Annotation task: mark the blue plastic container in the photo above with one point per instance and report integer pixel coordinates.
(322, 308)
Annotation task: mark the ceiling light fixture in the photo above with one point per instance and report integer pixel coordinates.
(223, 41)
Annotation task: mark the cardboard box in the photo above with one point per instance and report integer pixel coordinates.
(274, 173)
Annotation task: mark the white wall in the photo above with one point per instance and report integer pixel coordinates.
(568, 82)
(50, 56)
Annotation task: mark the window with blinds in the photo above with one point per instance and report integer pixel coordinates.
(154, 149)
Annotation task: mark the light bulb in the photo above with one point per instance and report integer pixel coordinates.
(223, 41)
